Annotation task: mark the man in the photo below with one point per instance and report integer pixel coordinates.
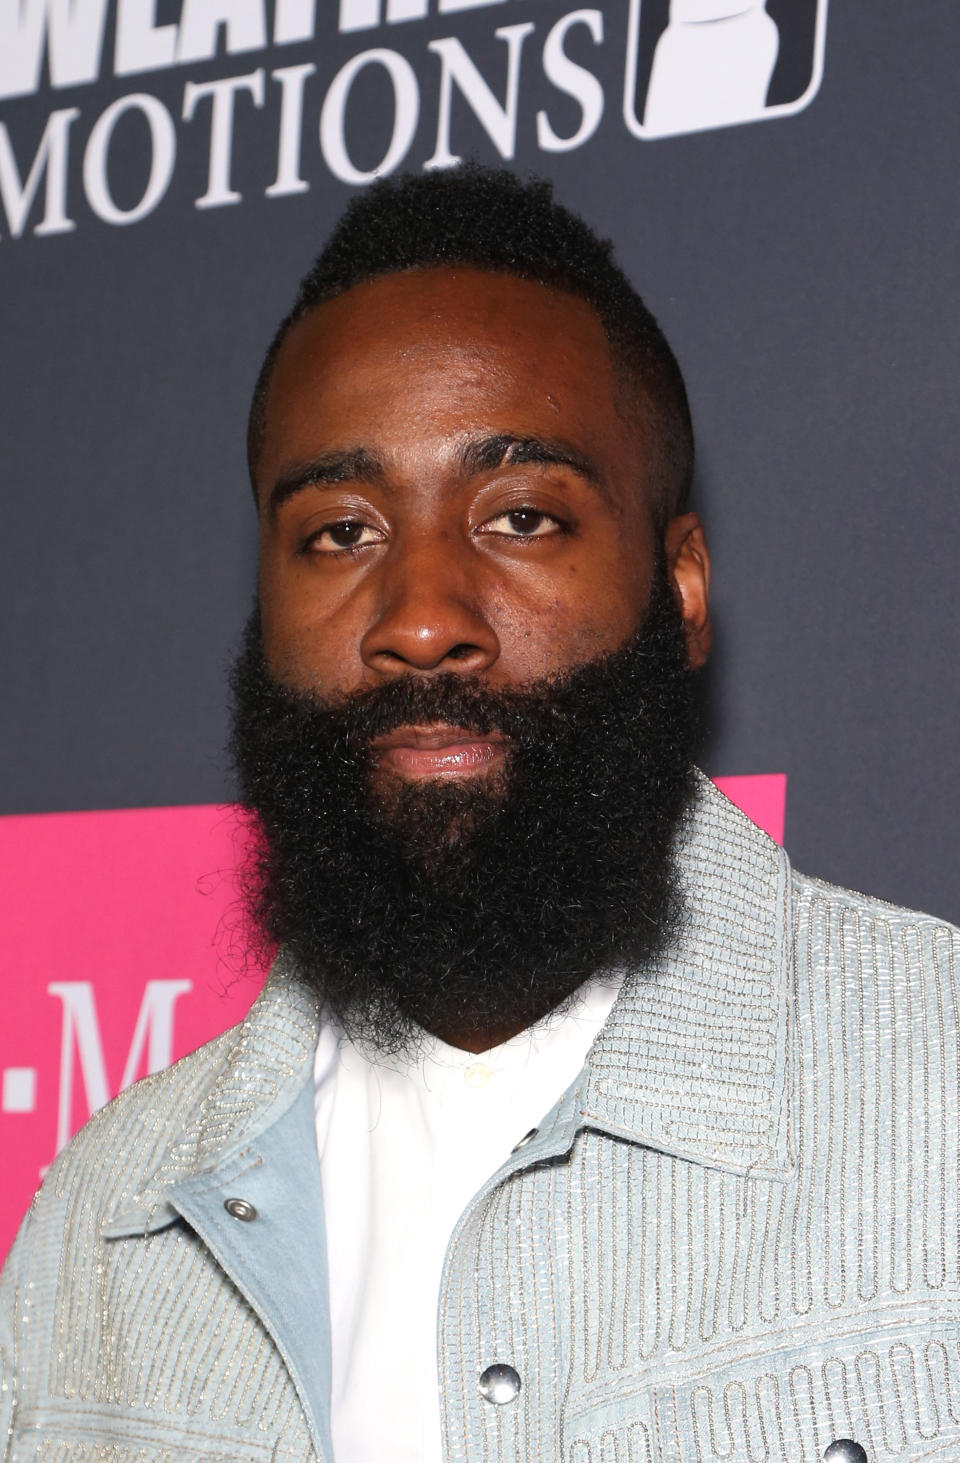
(571, 1123)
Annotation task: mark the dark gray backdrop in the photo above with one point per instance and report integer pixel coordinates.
(805, 268)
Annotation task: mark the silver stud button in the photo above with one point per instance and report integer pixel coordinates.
(499, 1384)
(845, 1450)
(240, 1209)
(524, 1140)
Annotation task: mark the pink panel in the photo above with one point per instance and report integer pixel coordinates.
(98, 905)
(123, 949)
(763, 797)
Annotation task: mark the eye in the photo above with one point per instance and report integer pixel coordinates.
(342, 537)
(523, 523)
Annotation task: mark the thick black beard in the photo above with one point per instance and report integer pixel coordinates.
(469, 908)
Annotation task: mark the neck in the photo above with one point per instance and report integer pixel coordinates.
(481, 1036)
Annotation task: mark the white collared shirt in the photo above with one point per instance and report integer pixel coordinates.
(404, 1146)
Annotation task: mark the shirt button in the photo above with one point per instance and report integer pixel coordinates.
(499, 1384)
(845, 1450)
(240, 1209)
(478, 1074)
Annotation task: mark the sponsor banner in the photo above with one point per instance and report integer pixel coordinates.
(124, 949)
(134, 100)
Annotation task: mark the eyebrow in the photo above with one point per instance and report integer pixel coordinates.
(487, 453)
(354, 465)
(482, 454)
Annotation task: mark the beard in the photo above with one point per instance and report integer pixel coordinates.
(470, 908)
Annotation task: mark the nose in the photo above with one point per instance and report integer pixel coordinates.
(429, 616)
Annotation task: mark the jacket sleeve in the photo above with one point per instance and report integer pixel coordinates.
(10, 1288)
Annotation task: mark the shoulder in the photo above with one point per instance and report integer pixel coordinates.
(876, 965)
(817, 904)
(118, 1171)
(119, 1150)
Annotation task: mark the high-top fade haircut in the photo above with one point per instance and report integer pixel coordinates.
(491, 220)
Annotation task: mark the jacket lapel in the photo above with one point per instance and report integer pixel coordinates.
(277, 1258)
(251, 1137)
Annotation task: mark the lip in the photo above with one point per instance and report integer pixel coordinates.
(439, 751)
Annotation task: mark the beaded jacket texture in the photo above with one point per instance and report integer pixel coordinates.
(735, 1237)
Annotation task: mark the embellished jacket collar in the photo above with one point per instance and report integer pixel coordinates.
(693, 1058)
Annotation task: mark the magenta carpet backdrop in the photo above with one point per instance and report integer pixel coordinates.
(780, 178)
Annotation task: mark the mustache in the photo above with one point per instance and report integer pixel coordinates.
(524, 715)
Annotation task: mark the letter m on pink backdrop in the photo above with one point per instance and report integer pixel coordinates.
(82, 1051)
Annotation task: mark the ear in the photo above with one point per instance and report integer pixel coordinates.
(688, 568)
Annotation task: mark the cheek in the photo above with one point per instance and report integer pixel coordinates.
(308, 642)
(314, 655)
(584, 612)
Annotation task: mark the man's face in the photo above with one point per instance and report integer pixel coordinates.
(463, 715)
(450, 481)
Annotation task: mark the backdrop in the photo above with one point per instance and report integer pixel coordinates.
(780, 182)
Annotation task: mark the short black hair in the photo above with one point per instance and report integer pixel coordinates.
(492, 220)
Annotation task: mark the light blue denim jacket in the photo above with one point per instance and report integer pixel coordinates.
(736, 1237)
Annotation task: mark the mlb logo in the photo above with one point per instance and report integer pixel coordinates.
(699, 64)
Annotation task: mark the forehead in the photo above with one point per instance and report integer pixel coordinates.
(446, 352)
